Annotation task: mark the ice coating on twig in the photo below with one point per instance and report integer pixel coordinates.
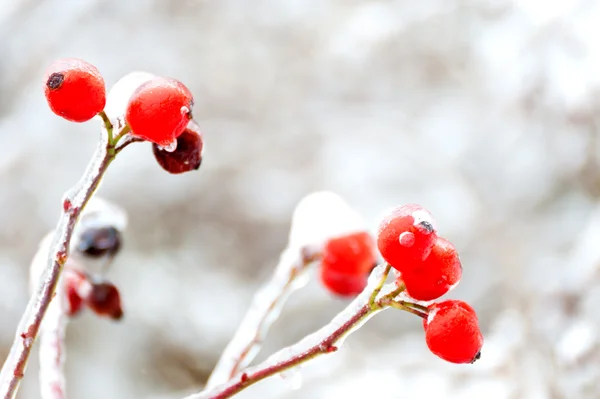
(102, 213)
(317, 217)
(29, 325)
(98, 213)
(40, 261)
(290, 275)
(328, 339)
(320, 216)
(52, 348)
(120, 93)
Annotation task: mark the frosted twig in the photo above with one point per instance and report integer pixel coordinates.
(264, 310)
(52, 349)
(29, 325)
(326, 340)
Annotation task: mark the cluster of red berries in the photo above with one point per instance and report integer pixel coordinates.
(85, 289)
(158, 111)
(427, 267)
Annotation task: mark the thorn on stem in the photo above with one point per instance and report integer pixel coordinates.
(244, 377)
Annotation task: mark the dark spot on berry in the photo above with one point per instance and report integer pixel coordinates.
(97, 242)
(476, 358)
(55, 80)
(427, 226)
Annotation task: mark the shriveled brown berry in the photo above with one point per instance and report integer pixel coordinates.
(100, 241)
(105, 300)
(188, 154)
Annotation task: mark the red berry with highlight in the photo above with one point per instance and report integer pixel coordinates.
(452, 332)
(436, 275)
(105, 300)
(405, 235)
(74, 89)
(188, 154)
(159, 110)
(343, 284)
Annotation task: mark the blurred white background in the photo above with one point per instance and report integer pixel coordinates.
(484, 111)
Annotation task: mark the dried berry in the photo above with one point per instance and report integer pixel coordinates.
(186, 157)
(100, 241)
(105, 300)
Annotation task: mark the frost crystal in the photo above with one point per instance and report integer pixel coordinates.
(322, 215)
(120, 93)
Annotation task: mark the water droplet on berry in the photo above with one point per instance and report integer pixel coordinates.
(172, 146)
(186, 111)
(407, 239)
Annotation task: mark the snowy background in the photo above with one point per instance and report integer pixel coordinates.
(484, 111)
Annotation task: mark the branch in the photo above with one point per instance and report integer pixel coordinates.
(52, 349)
(264, 311)
(326, 340)
(29, 326)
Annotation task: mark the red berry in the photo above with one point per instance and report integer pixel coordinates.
(406, 234)
(159, 110)
(343, 284)
(77, 287)
(74, 89)
(452, 332)
(434, 276)
(105, 300)
(350, 254)
(188, 154)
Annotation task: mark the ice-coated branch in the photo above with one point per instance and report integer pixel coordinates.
(326, 340)
(52, 349)
(317, 217)
(29, 325)
(263, 312)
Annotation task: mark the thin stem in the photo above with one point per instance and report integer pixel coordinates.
(107, 125)
(126, 129)
(29, 326)
(377, 289)
(264, 310)
(52, 349)
(326, 340)
(128, 140)
(406, 306)
(397, 291)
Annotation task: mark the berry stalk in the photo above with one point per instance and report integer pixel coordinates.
(264, 310)
(326, 340)
(73, 204)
